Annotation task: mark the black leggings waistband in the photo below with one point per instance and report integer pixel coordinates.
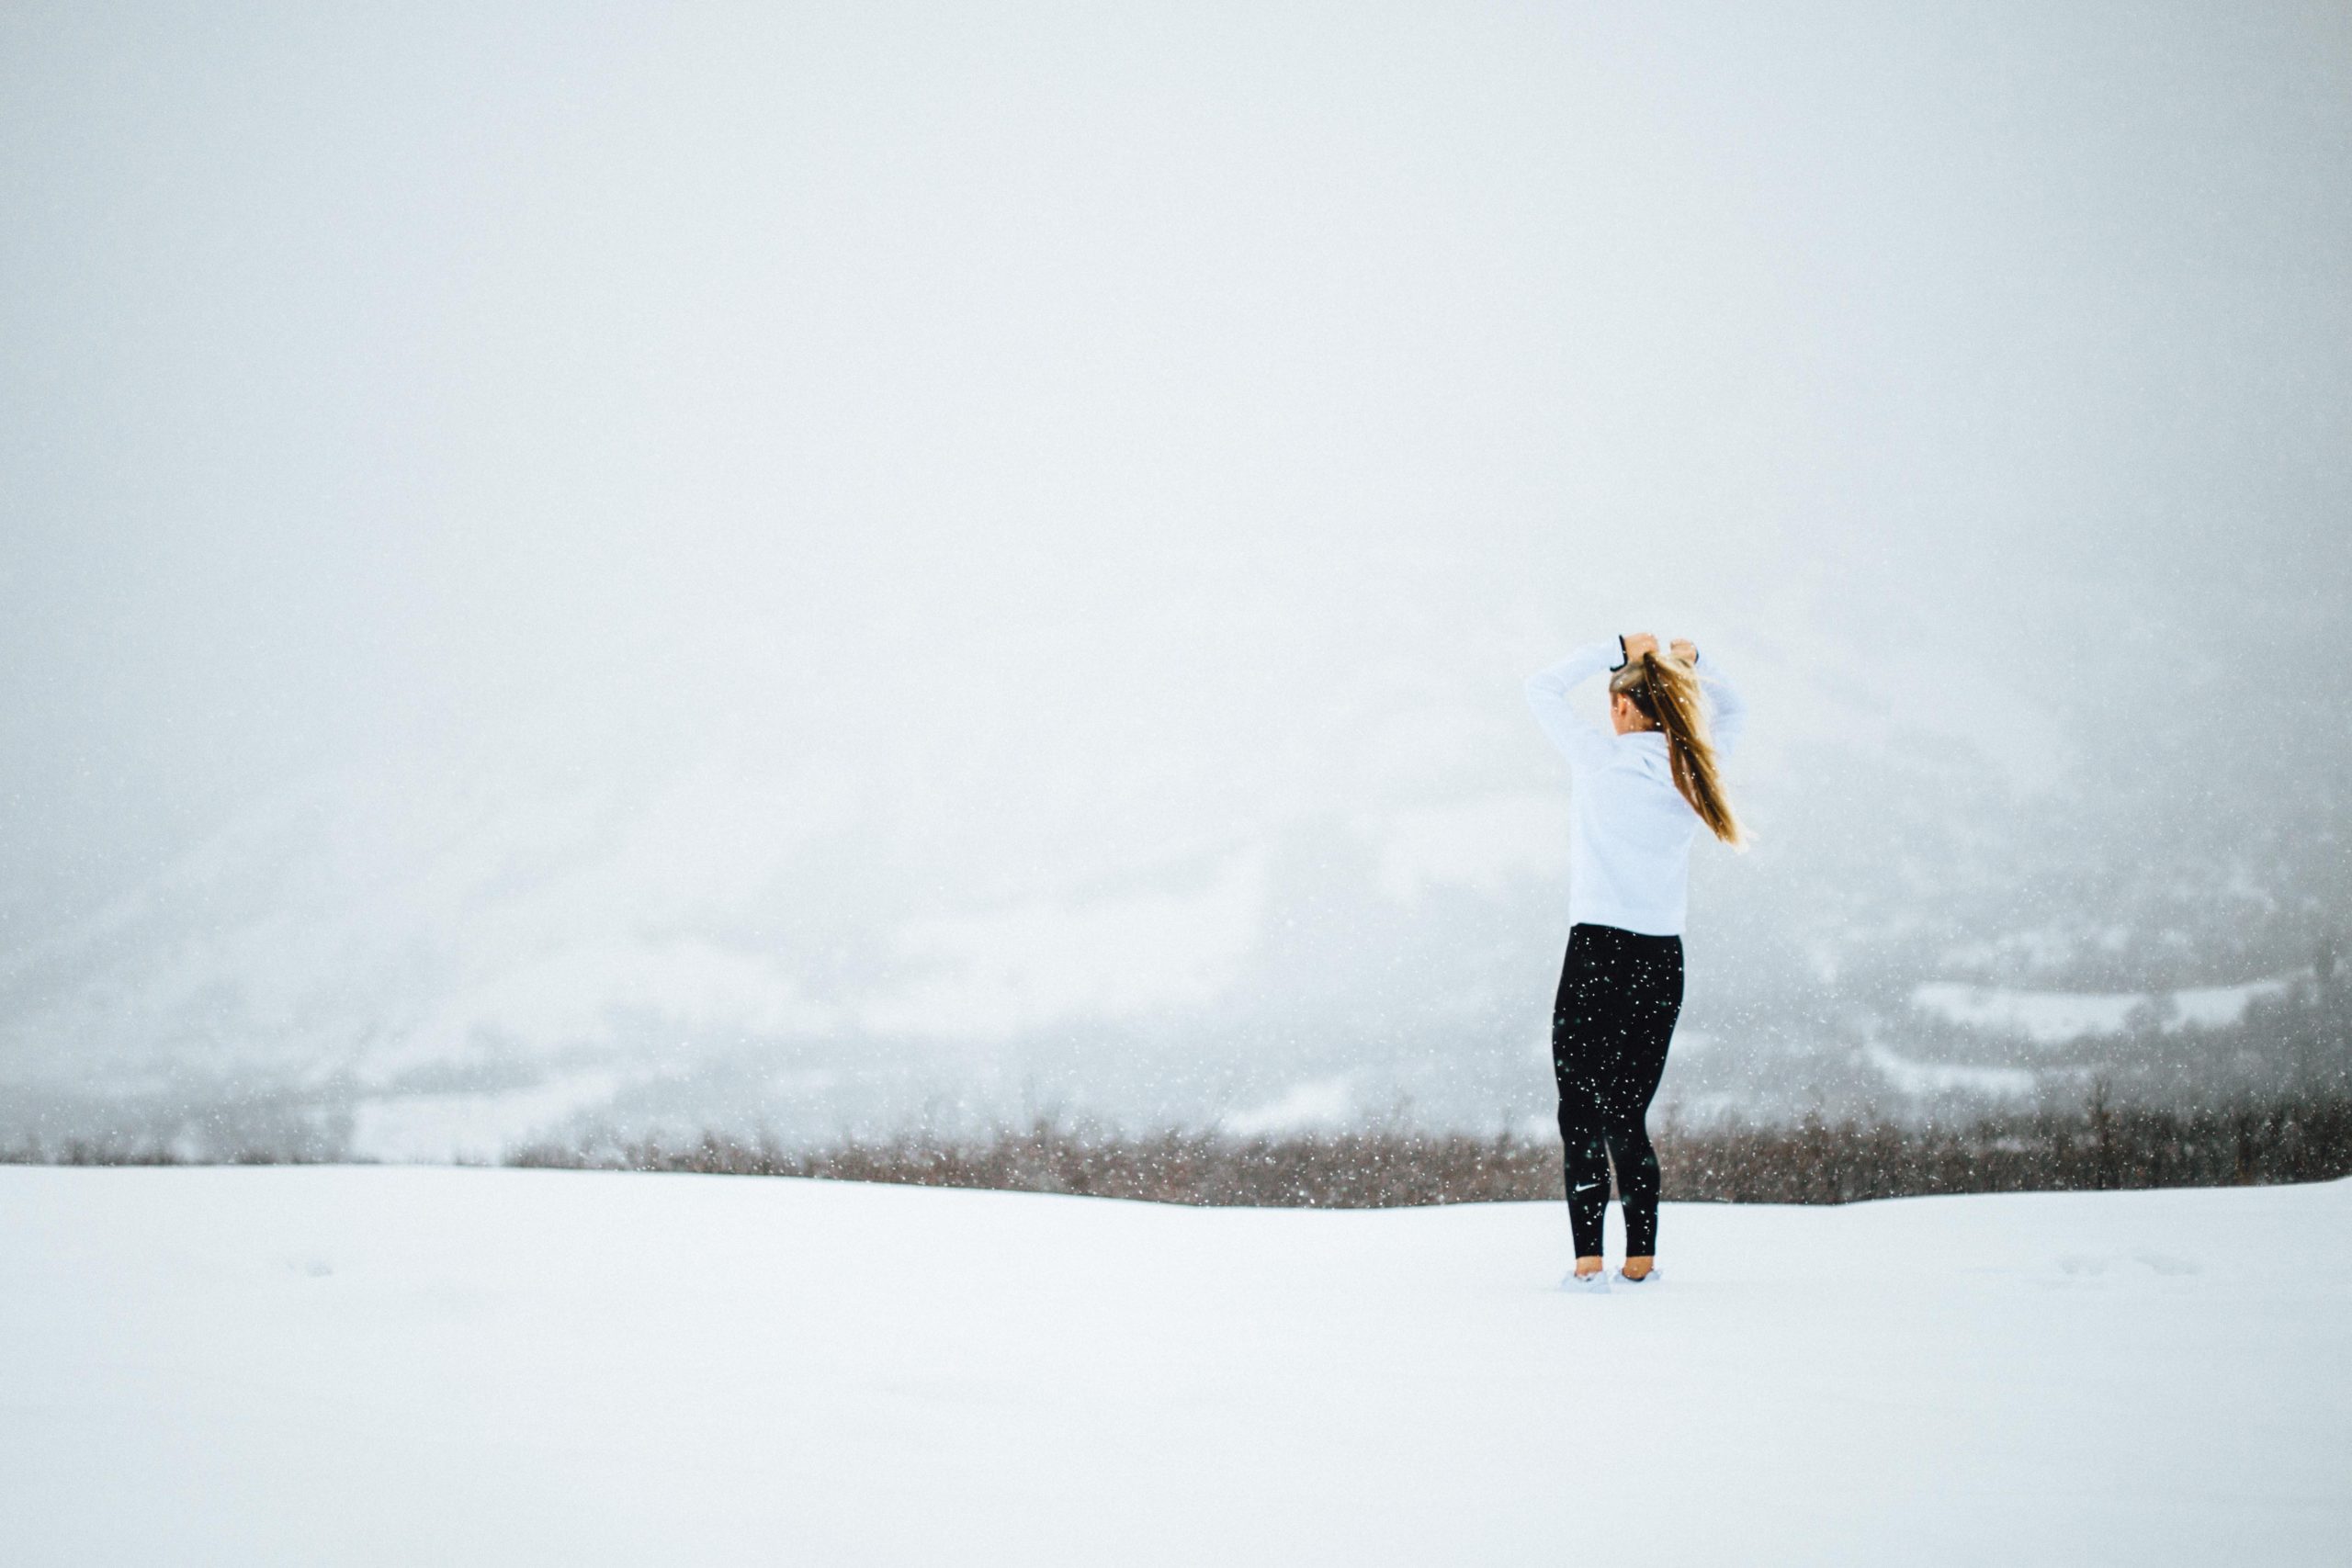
(1619, 937)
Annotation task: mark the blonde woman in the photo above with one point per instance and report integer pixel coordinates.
(1640, 791)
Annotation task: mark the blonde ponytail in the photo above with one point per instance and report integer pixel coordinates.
(1666, 692)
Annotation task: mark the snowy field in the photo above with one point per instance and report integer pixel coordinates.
(429, 1366)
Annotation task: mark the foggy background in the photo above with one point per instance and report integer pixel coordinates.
(827, 566)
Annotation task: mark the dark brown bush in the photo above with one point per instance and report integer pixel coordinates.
(1812, 1161)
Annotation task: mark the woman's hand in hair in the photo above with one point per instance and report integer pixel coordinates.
(1638, 643)
(1685, 650)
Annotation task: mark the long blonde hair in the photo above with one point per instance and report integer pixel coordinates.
(1666, 691)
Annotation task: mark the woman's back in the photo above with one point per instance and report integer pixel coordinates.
(1629, 826)
(1629, 840)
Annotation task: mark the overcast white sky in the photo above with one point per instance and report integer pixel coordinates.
(1051, 419)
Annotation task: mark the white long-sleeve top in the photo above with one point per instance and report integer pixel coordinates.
(1629, 828)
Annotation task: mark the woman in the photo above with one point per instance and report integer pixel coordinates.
(1639, 795)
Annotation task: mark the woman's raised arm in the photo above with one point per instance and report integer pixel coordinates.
(1583, 742)
(1727, 710)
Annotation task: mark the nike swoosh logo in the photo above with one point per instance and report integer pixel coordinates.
(1588, 1187)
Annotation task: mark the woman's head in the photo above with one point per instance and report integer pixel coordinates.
(1630, 708)
(1660, 690)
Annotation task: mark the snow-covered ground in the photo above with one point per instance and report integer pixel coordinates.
(412, 1366)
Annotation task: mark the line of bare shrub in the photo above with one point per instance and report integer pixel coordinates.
(1812, 1161)
(132, 1151)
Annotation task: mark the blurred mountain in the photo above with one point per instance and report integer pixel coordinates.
(394, 957)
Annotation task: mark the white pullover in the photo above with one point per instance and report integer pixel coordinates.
(1629, 828)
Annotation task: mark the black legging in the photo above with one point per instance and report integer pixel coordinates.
(1619, 991)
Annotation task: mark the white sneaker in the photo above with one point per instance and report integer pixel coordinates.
(1593, 1284)
(1631, 1283)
